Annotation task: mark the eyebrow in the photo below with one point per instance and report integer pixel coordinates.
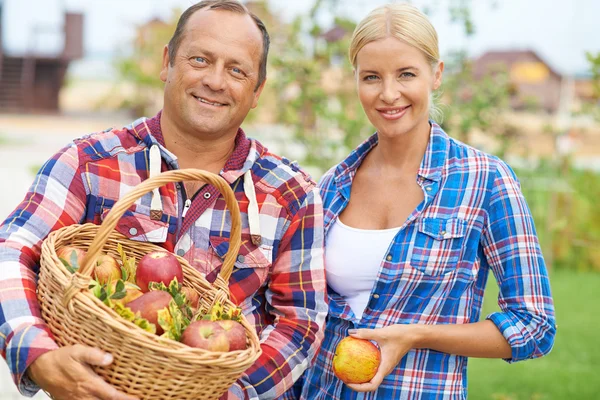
(398, 70)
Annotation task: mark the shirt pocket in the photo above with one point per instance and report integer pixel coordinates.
(252, 263)
(136, 224)
(438, 245)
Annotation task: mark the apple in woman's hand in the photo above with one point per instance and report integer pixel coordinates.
(356, 360)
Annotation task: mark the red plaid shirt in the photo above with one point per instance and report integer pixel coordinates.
(279, 283)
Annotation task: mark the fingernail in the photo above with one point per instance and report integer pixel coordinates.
(108, 358)
(352, 331)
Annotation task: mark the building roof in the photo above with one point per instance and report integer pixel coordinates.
(508, 57)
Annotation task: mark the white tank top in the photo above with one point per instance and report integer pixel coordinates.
(352, 260)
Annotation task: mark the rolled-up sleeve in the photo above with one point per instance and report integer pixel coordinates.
(512, 251)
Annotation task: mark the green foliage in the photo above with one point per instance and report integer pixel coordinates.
(142, 67)
(477, 104)
(570, 371)
(315, 89)
(593, 107)
(563, 202)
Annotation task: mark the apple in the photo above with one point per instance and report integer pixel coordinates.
(106, 269)
(158, 266)
(204, 334)
(131, 292)
(149, 304)
(191, 295)
(66, 252)
(356, 360)
(236, 334)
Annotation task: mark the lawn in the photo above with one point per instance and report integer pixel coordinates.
(571, 371)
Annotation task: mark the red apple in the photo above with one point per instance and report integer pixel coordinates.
(236, 334)
(149, 304)
(208, 335)
(66, 252)
(356, 360)
(191, 295)
(158, 266)
(106, 269)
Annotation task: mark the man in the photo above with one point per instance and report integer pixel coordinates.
(214, 70)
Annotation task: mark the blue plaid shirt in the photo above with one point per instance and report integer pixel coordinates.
(473, 221)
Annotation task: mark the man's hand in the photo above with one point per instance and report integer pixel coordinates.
(65, 373)
(394, 342)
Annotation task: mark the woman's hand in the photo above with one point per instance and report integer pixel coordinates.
(394, 342)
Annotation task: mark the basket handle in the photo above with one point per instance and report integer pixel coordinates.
(81, 278)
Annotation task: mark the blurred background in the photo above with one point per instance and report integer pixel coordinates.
(522, 82)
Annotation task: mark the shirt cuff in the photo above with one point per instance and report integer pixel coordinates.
(508, 325)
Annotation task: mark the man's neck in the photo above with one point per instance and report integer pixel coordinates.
(209, 154)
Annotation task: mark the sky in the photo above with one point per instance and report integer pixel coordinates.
(559, 31)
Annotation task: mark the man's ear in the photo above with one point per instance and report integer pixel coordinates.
(257, 93)
(165, 64)
(437, 76)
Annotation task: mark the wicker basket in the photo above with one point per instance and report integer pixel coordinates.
(145, 365)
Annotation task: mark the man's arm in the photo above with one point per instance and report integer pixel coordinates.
(297, 299)
(55, 199)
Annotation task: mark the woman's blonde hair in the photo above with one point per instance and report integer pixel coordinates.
(404, 22)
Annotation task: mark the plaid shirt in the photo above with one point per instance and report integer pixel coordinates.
(279, 284)
(473, 220)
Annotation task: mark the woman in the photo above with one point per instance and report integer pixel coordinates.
(415, 222)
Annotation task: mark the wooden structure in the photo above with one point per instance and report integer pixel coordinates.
(533, 79)
(32, 82)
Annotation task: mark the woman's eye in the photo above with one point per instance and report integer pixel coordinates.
(407, 75)
(370, 77)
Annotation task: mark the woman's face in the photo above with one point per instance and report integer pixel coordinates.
(395, 82)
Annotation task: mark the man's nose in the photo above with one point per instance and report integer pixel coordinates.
(214, 78)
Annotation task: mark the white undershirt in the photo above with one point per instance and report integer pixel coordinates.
(352, 260)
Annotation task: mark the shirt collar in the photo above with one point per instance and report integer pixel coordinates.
(245, 152)
(431, 165)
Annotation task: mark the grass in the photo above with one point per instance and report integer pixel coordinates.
(571, 371)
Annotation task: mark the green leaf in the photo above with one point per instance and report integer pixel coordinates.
(74, 262)
(120, 287)
(124, 273)
(67, 265)
(118, 295)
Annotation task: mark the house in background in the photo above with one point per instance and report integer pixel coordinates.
(535, 83)
(31, 82)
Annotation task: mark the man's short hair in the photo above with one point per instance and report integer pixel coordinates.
(226, 5)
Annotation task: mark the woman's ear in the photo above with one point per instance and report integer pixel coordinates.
(437, 75)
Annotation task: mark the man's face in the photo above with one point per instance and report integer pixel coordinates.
(211, 86)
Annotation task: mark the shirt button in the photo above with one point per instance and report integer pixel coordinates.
(207, 195)
(389, 257)
(428, 188)
(443, 233)
(181, 252)
(375, 296)
(241, 258)
(132, 231)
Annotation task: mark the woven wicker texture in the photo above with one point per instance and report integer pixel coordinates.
(145, 365)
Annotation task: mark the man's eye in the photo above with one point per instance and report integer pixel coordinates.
(237, 71)
(200, 59)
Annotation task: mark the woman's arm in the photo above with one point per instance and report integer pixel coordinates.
(479, 339)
